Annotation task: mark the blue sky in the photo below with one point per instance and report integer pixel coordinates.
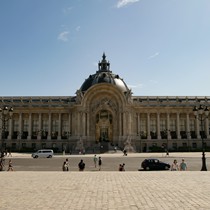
(159, 47)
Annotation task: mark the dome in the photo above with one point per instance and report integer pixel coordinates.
(104, 75)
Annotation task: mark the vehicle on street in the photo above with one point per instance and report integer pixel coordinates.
(154, 164)
(43, 153)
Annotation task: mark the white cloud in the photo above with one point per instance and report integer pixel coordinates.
(154, 55)
(66, 11)
(122, 3)
(63, 36)
(135, 86)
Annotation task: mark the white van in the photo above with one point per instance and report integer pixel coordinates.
(43, 153)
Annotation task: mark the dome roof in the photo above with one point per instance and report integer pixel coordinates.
(104, 75)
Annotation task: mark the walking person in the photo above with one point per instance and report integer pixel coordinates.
(10, 167)
(99, 163)
(64, 167)
(67, 164)
(95, 160)
(174, 166)
(81, 165)
(183, 166)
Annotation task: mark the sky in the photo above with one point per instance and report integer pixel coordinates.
(158, 47)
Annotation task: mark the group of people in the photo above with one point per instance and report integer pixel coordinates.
(175, 166)
(2, 161)
(81, 164)
(97, 161)
(122, 167)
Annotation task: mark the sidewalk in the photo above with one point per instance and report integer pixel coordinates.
(119, 154)
(105, 190)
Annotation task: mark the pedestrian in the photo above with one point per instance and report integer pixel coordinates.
(10, 167)
(125, 153)
(1, 164)
(95, 160)
(67, 164)
(183, 166)
(64, 167)
(174, 166)
(120, 167)
(10, 154)
(123, 167)
(99, 163)
(81, 165)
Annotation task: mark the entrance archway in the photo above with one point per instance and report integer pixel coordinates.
(104, 126)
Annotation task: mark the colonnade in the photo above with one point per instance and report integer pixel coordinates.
(188, 118)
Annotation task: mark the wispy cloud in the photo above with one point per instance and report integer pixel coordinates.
(63, 36)
(67, 10)
(123, 3)
(135, 86)
(154, 55)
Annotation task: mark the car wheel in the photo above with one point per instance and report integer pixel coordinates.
(50, 156)
(147, 168)
(166, 167)
(36, 156)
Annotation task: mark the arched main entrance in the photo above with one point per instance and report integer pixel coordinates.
(104, 126)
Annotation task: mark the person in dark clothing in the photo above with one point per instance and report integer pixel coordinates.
(99, 163)
(81, 165)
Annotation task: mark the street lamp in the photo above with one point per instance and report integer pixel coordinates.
(201, 113)
(6, 114)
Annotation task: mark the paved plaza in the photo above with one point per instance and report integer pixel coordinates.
(103, 190)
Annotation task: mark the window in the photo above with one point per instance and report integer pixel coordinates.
(43, 145)
(33, 145)
(25, 125)
(162, 124)
(194, 145)
(173, 125)
(35, 125)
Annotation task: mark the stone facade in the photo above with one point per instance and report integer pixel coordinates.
(104, 113)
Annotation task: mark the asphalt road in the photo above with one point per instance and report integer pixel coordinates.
(109, 163)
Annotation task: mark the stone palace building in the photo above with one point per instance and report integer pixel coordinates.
(102, 115)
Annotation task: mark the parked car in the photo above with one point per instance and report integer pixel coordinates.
(154, 164)
(43, 153)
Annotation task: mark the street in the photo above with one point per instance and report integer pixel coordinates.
(110, 162)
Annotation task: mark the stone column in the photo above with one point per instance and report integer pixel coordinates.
(20, 130)
(207, 128)
(124, 124)
(49, 127)
(83, 124)
(39, 136)
(10, 129)
(59, 126)
(168, 126)
(88, 124)
(197, 128)
(188, 126)
(158, 126)
(29, 126)
(178, 126)
(138, 124)
(148, 126)
(70, 126)
(1, 130)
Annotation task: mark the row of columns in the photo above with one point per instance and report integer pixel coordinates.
(40, 127)
(197, 125)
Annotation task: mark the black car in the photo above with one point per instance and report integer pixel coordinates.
(154, 164)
